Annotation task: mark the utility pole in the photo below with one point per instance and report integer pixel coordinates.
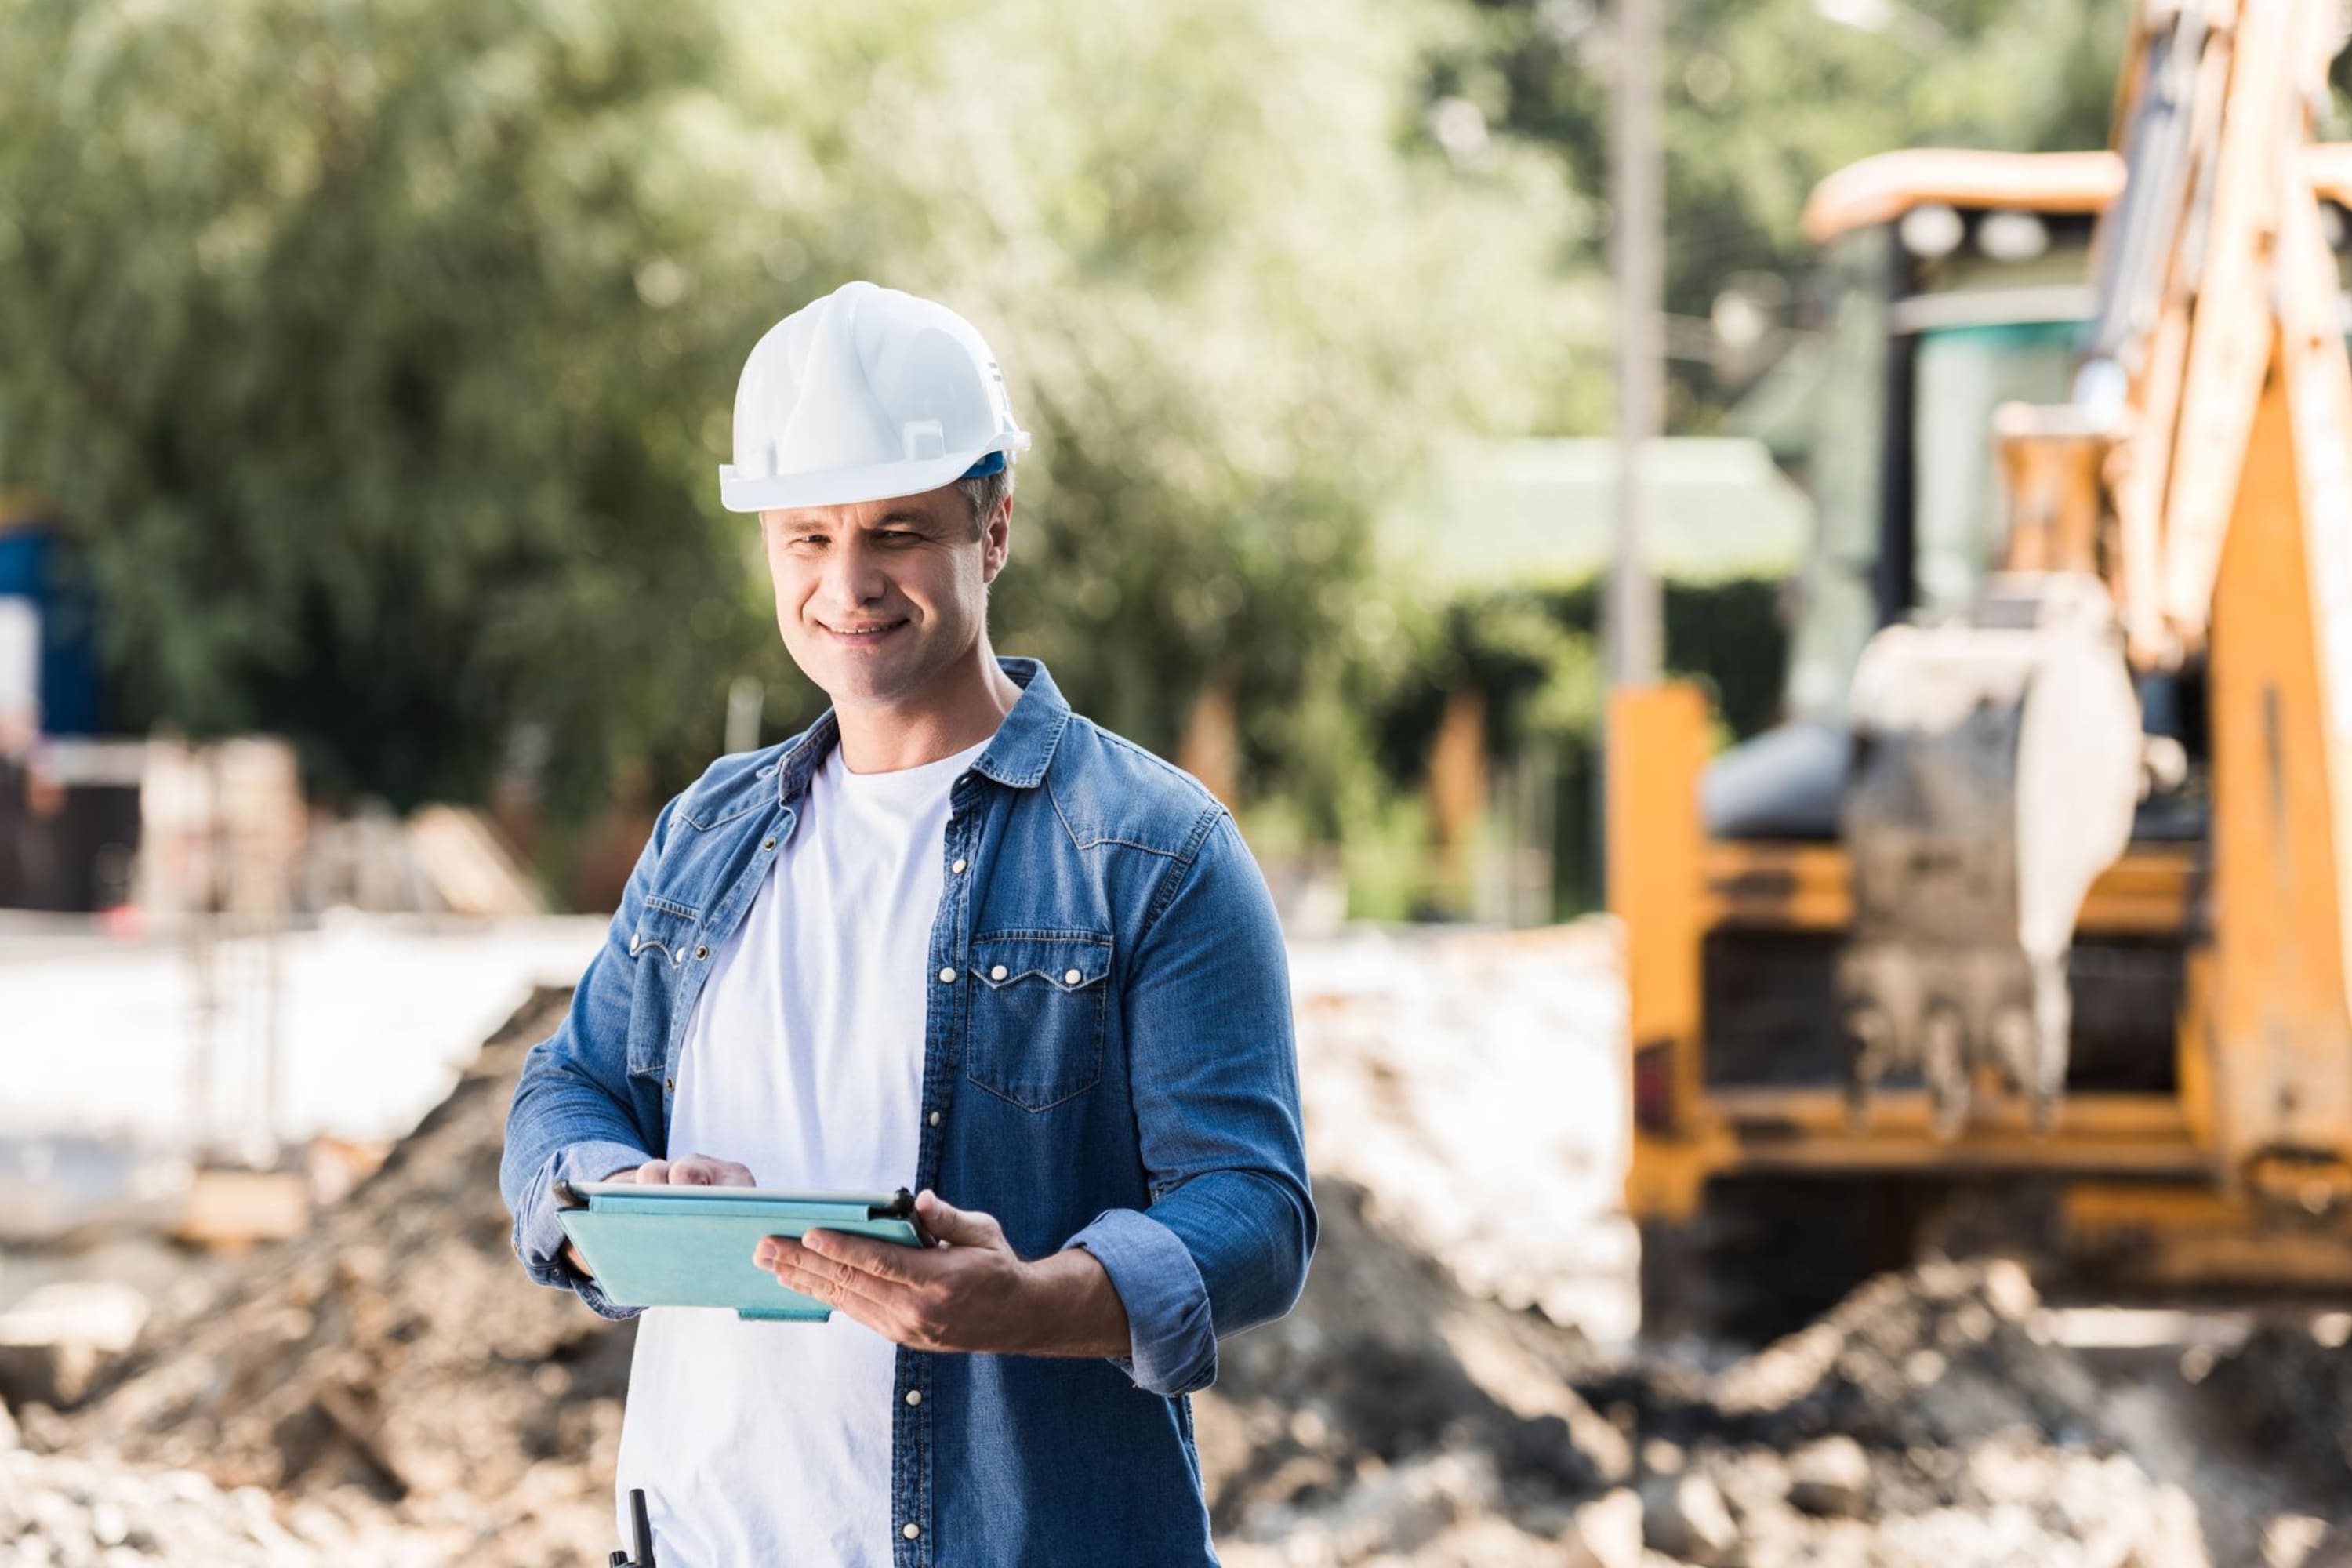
(1634, 636)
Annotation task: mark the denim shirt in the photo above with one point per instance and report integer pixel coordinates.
(1108, 1063)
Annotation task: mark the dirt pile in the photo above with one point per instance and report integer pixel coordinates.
(1391, 1410)
(1473, 1082)
(394, 1378)
(396, 1352)
(2291, 1385)
(1394, 1418)
(60, 1511)
(1923, 1421)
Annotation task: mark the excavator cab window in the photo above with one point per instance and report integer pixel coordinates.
(1924, 328)
(1960, 375)
(1844, 468)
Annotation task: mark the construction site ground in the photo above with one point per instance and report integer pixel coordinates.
(1460, 1384)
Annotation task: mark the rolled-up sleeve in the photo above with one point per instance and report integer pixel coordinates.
(1225, 1242)
(573, 1118)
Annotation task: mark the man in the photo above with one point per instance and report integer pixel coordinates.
(954, 937)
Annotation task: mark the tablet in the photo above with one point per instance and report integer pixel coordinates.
(691, 1247)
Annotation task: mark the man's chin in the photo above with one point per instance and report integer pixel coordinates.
(864, 682)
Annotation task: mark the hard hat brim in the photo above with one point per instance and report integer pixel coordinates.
(843, 487)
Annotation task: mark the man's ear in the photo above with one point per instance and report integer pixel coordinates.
(996, 541)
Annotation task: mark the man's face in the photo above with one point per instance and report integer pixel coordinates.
(876, 598)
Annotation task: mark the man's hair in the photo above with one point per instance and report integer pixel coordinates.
(983, 493)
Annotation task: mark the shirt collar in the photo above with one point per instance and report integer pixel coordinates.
(1023, 747)
(1017, 756)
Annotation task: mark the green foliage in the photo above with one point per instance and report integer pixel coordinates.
(1763, 99)
(381, 355)
(1534, 656)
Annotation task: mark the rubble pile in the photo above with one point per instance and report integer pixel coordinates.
(57, 1511)
(1472, 1082)
(2292, 1383)
(1392, 1407)
(396, 1354)
(402, 1394)
(1921, 1423)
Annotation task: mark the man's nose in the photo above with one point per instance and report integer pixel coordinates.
(853, 574)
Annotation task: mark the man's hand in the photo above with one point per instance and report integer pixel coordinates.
(969, 1292)
(694, 1171)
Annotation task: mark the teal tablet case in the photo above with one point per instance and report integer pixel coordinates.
(691, 1247)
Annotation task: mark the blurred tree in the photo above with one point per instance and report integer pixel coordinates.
(381, 353)
(1763, 98)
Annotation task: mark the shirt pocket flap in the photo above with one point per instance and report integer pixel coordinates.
(664, 930)
(1071, 962)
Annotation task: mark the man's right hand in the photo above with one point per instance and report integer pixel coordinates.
(693, 1171)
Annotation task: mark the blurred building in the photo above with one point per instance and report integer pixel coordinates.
(69, 795)
(1504, 513)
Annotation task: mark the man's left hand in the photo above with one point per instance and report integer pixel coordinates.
(969, 1291)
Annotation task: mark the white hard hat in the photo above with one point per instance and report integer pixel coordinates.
(865, 394)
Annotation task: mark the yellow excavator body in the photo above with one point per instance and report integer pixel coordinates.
(1882, 983)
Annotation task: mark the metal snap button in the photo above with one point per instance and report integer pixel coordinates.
(958, 867)
(910, 1529)
(769, 842)
(701, 952)
(1072, 977)
(947, 975)
(997, 974)
(914, 1397)
(636, 942)
(935, 1118)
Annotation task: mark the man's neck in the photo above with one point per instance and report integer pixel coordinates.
(959, 707)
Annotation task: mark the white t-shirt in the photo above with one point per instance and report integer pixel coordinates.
(803, 1059)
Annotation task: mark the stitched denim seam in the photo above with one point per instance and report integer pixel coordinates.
(1040, 934)
(990, 1089)
(1171, 880)
(1081, 843)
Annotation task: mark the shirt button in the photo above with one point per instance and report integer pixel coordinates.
(636, 942)
(956, 867)
(947, 975)
(914, 1397)
(910, 1529)
(935, 1118)
(1072, 977)
(997, 973)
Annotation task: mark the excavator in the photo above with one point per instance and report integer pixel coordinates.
(2030, 924)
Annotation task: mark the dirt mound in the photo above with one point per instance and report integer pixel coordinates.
(61, 1511)
(397, 1349)
(1394, 1418)
(1386, 1364)
(1940, 1354)
(393, 1377)
(2290, 1385)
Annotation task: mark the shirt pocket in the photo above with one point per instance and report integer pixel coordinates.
(1037, 1015)
(663, 947)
